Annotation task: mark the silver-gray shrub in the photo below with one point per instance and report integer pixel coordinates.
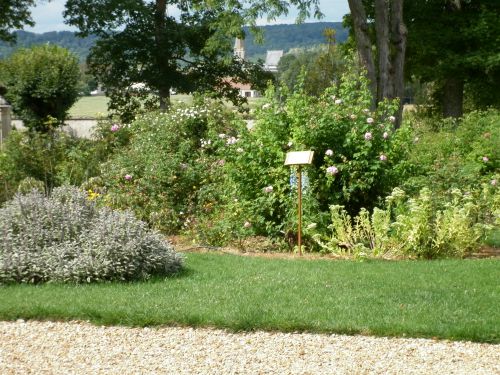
(67, 238)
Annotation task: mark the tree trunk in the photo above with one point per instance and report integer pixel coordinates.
(453, 97)
(163, 92)
(384, 86)
(364, 45)
(398, 41)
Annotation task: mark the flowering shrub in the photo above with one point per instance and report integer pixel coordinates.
(66, 238)
(169, 156)
(359, 157)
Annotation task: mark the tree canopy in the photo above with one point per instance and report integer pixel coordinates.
(41, 84)
(456, 46)
(142, 50)
(14, 14)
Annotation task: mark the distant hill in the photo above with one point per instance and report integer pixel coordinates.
(282, 37)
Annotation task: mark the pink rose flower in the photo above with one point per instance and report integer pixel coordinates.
(332, 170)
(368, 136)
(383, 157)
(128, 177)
(115, 128)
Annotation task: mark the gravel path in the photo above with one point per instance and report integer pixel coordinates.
(80, 348)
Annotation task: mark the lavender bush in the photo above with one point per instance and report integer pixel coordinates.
(67, 238)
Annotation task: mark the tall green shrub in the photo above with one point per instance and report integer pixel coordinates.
(42, 84)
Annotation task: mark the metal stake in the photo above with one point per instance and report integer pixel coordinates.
(299, 186)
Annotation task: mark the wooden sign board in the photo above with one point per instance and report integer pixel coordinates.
(299, 157)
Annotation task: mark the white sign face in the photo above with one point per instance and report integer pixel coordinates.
(299, 157)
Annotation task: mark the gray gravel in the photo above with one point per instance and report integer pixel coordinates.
(81, 348)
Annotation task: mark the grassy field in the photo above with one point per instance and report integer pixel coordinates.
(449, 299)
(97, 106)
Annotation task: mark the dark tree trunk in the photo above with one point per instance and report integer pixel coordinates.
(453, 97)
(163, 92)
(398, 41)
(364, 45)
(384, 82)
(387, 81)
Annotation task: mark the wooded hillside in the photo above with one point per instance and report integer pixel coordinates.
(282, 37)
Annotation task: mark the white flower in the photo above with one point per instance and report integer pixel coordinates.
(338, 101)
(328, 152)
(383, 157)
(247, 224)
(239, 149)
(290, 143)
(385, 135)
(392, 119)
(353, 117)
(268, 189)
(370, 120)
(222, 136)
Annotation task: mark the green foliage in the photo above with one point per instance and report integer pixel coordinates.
(359, 158)
(323, 66)
(159, 174)
(423, 226)
(55, 158)
(42, 84)
(461, 43)
(450, 156)
(66, 238)
(140, 44)
(14, 15)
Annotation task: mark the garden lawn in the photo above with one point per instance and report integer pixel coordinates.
(451, 299)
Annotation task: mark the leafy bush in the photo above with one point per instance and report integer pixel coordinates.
(159, 173)
(451, 156)
(42, 85)
(359, 158)
(57, 158)
(66, 238)
(424, 226)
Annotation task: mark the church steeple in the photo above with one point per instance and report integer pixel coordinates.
(239, 48)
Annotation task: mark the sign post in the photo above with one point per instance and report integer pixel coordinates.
(299, 158)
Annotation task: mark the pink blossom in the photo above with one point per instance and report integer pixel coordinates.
(368, 136)
(493, 182)
(385, 135)
(115, 128)
(247, 224)
(221, 162)
(370, 120)
(128, 177)
(328, 152)
(486, 159)
(383, 157)
(332, 170)
(268, 189)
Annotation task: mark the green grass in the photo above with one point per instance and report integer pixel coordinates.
(449, 299)
(97, 106)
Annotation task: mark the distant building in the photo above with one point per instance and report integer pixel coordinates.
(245, 89)
(239, 49)
(272, 60)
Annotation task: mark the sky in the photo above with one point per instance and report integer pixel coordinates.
(48, 15)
